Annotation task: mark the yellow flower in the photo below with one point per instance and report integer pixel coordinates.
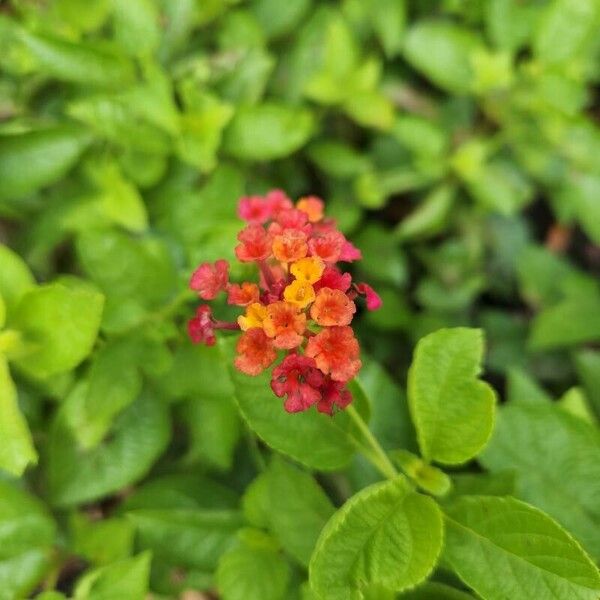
(308, 270)
(300, 293)
(254, 317)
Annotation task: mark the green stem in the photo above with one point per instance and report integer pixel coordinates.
(375, 453)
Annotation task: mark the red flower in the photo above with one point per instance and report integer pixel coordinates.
(333, 393)
(208, 280)
(333, 278)
(255, 244)
(328, 246)
(201, 328)
(255, 352)
(298, 378)
(336, 352)
(332, 307)
(243, 295)
(350, 252)
(374, 301)
(291, 218)
(254, 209)
(290, 246)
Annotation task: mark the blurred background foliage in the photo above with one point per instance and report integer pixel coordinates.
(456, 142)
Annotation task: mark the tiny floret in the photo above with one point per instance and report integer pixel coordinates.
(298, 311)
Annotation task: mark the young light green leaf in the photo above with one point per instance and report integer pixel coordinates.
(15, 277)
(298, 508)
(507, 550)
(442, 51)
(573, 22)
(388, 19)
(453, 411)
(186, 537)
(34, 159)
(139, 435)
(27, 533)
(61, 322)
(557, 460)
(123, 579)
(267, 132)
(16, 449)
(427, 477)
(315, 441)
(387, 535)
(254, 570)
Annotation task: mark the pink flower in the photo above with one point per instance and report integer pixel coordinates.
(374, 301)
(327, 246)
(200, 327)
(333, 278)
(350, 252)
(254, 209)
(208, 280)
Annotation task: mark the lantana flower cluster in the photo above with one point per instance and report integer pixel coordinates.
(301, 308)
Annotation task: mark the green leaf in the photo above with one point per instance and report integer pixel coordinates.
(436, 591)
(505, 549)
(61, 322)
(388, 18)
(16, 450)
(138, 437)
(429, 217)
(386, 535)
(122, 579)
(453, 411)
(557, 460)
(442, 51)
(27, 534)
(313, 439)
(573, 22)
(267, 132)
(34, 159)
(277, 18)
(113, 384)
(78, 62)
(253, 571)
(573, 321)
(521, 388)
(186, 537)
(587, 363)
(136, 26)
(102, 542)
(298, 508)
(501, 483)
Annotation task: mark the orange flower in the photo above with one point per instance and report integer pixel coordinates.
(255, 315)
(290, 245)
(243, 295)
(336, 352)
(332, 307)
(312, 206)
(308, 269)
(300, 293)
(255, 352)
(285, 324)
